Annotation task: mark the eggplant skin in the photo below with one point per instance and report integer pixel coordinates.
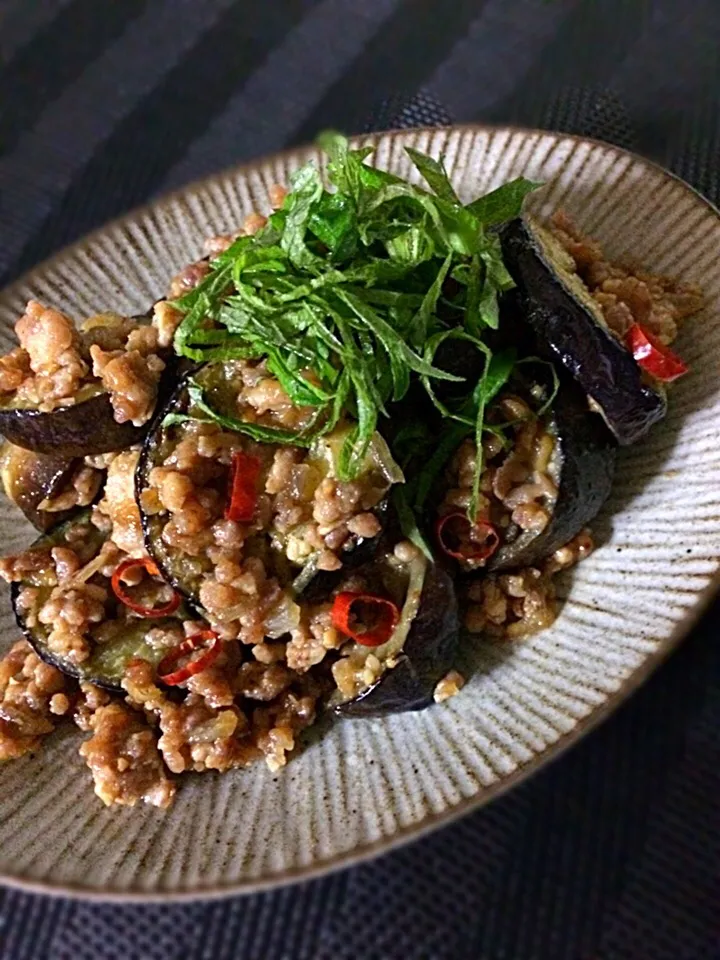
(357, 551)
(587, 466)
(55, 537)
(106, 665)
(92, 671)
(571, 331)
(151, 527)
(428, 654)
(85, 428)
(42, 651)
(28, 478)
(361, 551)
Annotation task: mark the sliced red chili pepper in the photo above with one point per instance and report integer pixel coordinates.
(351, 609)
(464, 540)
(242, 499)
(118, 589)
(653, 356)
(197, 641)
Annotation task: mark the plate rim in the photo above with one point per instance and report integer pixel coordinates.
(481, 798)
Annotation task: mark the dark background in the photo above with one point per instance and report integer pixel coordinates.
(613, 851)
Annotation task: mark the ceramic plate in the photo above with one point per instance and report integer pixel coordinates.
(361, 787)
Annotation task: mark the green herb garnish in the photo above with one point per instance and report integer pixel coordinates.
(347, 293)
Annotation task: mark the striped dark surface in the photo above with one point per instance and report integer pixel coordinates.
(613, 851)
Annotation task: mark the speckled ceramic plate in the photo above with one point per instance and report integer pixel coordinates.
(361, 787)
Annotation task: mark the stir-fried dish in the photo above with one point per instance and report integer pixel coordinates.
(355, 434)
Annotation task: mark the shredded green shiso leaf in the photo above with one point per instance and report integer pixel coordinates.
(343, 294)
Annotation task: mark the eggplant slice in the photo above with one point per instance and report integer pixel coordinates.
(29, 478)
(571, 330)
(184, 575)
(584, 465)
(106, 665)
(418, 654)
(581, 467)
(86, 427)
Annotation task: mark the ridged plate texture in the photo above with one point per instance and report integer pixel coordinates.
(360, 787)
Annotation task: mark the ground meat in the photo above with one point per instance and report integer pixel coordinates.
(46, 335)
(107, 559)
(267, 395)
(166, 319)
(100, 461)
(253, 222)
(198, 737)
(228, 563)
(14, 369)
(214, 246)
(218, 684)
(356, 672)
(79, 491)
(174, 489)
(142, 690)
(53, 352)
(327, 560)
(405, 551)
(247, 600)
(277, 194)
(518, 486)
(215, 685)
(61, 601)
(618, 315)
(451, 683)
(108, 330)
(60, 704)
(627, 295)
(283, 473)
(511, 605)
(585, 252)
(336, 538)
(263, 398)
(531, 516)
(269, 652)
(131, 379)
(573, 552)
(143, 339)
(70, 612)
(123, 757)
(364, 525)
(188, 278)
(275, 727)
(67, 563)
(91, 699)
(200, 733)
(260, 682)
(119, 506)
(312, 639)
(335, 501)
(18, 567)
(54, 361)
(31, 699)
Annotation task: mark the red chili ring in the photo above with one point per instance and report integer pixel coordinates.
(147, 564)
(653, 356)
(481, 536)
(375, 637)
(195, 642)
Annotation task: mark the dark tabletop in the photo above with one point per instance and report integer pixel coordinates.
(613, 851)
